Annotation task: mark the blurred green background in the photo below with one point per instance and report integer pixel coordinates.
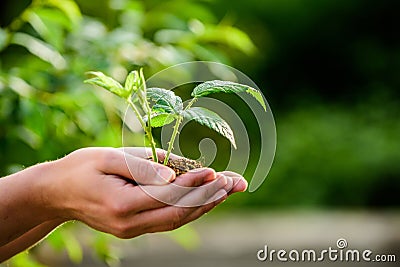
(330, 71)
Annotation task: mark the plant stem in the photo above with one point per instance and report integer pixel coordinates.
(172, 140)
(136, 111)
(152, 142)
(175, 132)
(147, 129)
(148, 113)
(191, 103)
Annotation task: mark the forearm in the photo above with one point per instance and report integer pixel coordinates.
(28, 239)
(24, 202)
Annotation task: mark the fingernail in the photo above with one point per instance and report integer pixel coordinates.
(246, 184)
(166, 173)
(239, 184)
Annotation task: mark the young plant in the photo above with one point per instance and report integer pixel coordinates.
(156, 107)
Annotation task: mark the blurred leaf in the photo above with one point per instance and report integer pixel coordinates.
(171, 36)
(20, 86)
(210, 53)
(132, 82)
(23, 260)
(40, 49)
(72, 246)
(104, 251)
(184, 10)
(186, 236)
(29, 136)
(212, 120)
(3, 38)
(64, 238)
(50, 24)
(230, 36)
(70, 9)
(55, 240)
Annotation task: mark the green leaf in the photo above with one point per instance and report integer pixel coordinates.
(212, 120)
(218, 86)
(160, 119)
(165, 100)
(133, 82)
(107, 83)
(257, 95)
(137, 81)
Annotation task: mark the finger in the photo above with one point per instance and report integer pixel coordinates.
(136, 199)
(239, 183)
(202, 195)
(146, 152)
(218, 198)
(152, 197)
(174, 217)
(140, 170)
(163, 219)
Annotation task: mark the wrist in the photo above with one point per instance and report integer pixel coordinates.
(46, 194)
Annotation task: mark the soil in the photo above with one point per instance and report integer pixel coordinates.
(182, 165)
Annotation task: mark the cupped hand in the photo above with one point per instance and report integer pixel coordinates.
(99, 186)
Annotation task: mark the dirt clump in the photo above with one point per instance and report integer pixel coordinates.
(181, 165)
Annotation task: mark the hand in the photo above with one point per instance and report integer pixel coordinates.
(94, 185)
(99, 186)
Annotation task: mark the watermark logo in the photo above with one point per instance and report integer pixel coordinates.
(340, 253)
(255, 143)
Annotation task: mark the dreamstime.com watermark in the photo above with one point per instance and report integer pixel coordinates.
(340, 253)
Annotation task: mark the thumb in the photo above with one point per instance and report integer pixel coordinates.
(147, 172)
(140, 170)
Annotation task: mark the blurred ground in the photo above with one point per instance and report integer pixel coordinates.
(234, 239)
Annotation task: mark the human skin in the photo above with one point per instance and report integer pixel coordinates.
(99, 187)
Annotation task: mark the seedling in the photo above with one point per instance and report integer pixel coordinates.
(156, 107)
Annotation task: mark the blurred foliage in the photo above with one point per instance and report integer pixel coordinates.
(46, 46)
(330, 70)
(341, 51)
(49, 46)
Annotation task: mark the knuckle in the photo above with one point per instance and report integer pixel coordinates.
(106, 158)
(118, 208)
(121, 230)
